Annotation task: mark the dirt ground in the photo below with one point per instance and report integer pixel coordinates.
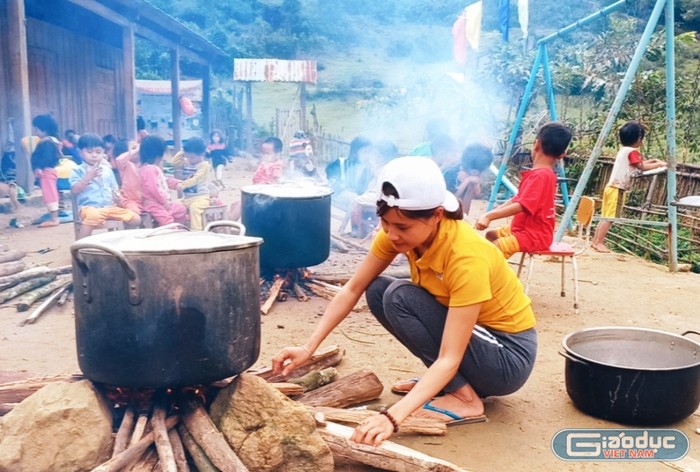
(614, 290)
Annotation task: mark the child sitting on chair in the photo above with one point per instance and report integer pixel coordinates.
(94, 185)
(156, 194)
(476, 158)
(532, 208)
(196, 185)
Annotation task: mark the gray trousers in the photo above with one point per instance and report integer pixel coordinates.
(496, 363)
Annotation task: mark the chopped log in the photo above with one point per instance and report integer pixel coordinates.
(362, 386)
(315, 379)
(274, 293)
(334, 288)
(388, 456)
(165, 450)
(326, 357)
(9, 268)
(41, 271)
(124, 431)
(299, 292)
(146, 463)
(178, 451)
(11, 255)
(16, 392)
(411, 425)
(320, 291)
(25, 287)
(28, 299)
(209, 438)
(288, 389)
(200, 459)
(133, 452)
(339, 245)
(139, 429)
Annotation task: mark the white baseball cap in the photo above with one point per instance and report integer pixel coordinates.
(419, 183)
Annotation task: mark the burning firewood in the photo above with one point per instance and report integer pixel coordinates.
(274, 292)
(124, 432)
(319, 290)
(299, 292)
(209, 438)
(160, 433)
(200, 459)
(132, 453)
(178, 451)
(25, 287)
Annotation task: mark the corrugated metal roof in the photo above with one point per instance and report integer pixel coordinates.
(274, 70)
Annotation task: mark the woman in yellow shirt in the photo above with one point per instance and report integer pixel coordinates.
(464, 313)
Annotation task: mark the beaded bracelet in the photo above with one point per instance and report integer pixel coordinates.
(385, 412)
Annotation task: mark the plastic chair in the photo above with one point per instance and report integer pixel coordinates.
(584, 217)
(557, 249)
(110, 225)
(213, 213)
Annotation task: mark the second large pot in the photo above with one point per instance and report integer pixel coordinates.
(632, 375)
(293, 220)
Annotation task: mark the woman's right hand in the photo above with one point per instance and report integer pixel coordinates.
(296, 357)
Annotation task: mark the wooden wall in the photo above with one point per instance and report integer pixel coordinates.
(4, 98)
(76, 79)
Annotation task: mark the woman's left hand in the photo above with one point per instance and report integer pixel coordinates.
(373, 431)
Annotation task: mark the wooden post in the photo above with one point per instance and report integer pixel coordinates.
(18, 81)
(302, 105)
(249, 117)
(206, 100)
(175, 94)
(129, 90)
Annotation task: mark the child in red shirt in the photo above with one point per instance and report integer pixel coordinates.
(532, 208)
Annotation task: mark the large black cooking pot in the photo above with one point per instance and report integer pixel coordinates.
(294, 221)
(632, 376)
(166, 307)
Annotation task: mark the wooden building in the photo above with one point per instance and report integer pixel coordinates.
(74, 59)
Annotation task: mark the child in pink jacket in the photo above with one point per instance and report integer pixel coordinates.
(156, 195)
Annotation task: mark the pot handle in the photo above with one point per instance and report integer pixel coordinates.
(690, 332)
(161, 229)
(134, 292)
(573, 359)
(226, 223)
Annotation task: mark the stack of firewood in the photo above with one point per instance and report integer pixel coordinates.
(24, 286)
(148, 436)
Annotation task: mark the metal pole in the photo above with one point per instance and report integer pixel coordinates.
(671, 135)
(559, 166)
(516, 127)
(583, 21)
(612, 114)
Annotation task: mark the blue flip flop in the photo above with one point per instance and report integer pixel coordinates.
(456, 419)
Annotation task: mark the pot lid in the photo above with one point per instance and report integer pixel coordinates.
(289, 190)
(168, 240)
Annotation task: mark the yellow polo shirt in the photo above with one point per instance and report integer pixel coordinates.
(461, 268)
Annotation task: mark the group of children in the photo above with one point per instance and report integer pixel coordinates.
(117, 180)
